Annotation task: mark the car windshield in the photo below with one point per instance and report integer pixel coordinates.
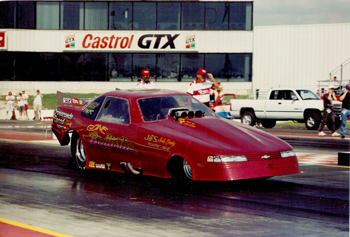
(156, 108)
(307, 95)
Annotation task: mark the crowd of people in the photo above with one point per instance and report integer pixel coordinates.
(203, 90)
(22, 106)
(334, 85)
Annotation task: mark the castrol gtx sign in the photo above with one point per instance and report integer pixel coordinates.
(133, 41)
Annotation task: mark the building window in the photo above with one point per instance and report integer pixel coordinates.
(72, 15)
(216, 16)
(192, 16)
(47, 16)
(7, 60)
(26, 67)
(7, 15)
(168, 67)
(240, 16)
(144, 61)
(25, 15)
(72, 67)
(96, 15)
(120, 16)
(168, 16)
(120, 67)
(190, 63)
(144, 16)
(95, 67)
(229, 67)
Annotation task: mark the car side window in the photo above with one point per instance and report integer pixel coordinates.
(115, 110)
(92, 109)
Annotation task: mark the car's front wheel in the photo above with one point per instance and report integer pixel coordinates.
(180, 169)
(78, 152)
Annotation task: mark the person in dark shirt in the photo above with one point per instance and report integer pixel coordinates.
(345, 111)
(328, 112)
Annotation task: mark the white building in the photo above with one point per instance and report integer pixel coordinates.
(89, 46)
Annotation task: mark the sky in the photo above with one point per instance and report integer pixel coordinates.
(296, 12)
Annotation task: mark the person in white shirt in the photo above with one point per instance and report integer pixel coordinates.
(25, 98)
(334, 83)
(146, 83)
(20, 106)
(200, 88)
(37, 104)
(10, 106)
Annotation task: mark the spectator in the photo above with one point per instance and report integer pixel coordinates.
(10, 106)
(37, 104)
(328, 112)
(20, 106)
(345, 112)
(200, 88)
(335, 83)
(321, 94)
(25, 98)
(146, 83)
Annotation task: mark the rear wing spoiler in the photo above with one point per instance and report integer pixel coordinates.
(63, 98)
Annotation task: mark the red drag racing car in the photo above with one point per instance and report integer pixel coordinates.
(167, 134)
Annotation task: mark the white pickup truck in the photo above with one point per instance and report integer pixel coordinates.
(284, 104)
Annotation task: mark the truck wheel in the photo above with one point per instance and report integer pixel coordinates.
(312, 121)
(268, 123)
(248, 118)
(337, 123)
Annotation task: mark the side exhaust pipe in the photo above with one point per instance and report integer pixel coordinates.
(127, 167)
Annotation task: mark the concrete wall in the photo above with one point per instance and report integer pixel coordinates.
(241, 88)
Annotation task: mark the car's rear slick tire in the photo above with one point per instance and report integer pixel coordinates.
(78, 152)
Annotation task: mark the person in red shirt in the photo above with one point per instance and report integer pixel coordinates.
(200, 88)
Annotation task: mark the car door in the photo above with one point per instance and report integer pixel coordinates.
(283, 104)
(110, 139)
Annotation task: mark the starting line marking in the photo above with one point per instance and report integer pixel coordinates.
(30, 228)
(319, 159)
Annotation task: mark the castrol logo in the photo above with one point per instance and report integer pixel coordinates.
(110, 42)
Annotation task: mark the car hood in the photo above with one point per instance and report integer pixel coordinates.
(221, 135)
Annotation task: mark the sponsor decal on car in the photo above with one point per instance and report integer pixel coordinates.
(97, 127)
(75, 101)
(160, 140)
(108, 166)
(100, 166)
(121, 144)
(62, 119)
(187, 123)
(92, 164)
(67, 100)
(91, 108)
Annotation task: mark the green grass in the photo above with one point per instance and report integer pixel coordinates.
(291, 123)
(50, 100)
